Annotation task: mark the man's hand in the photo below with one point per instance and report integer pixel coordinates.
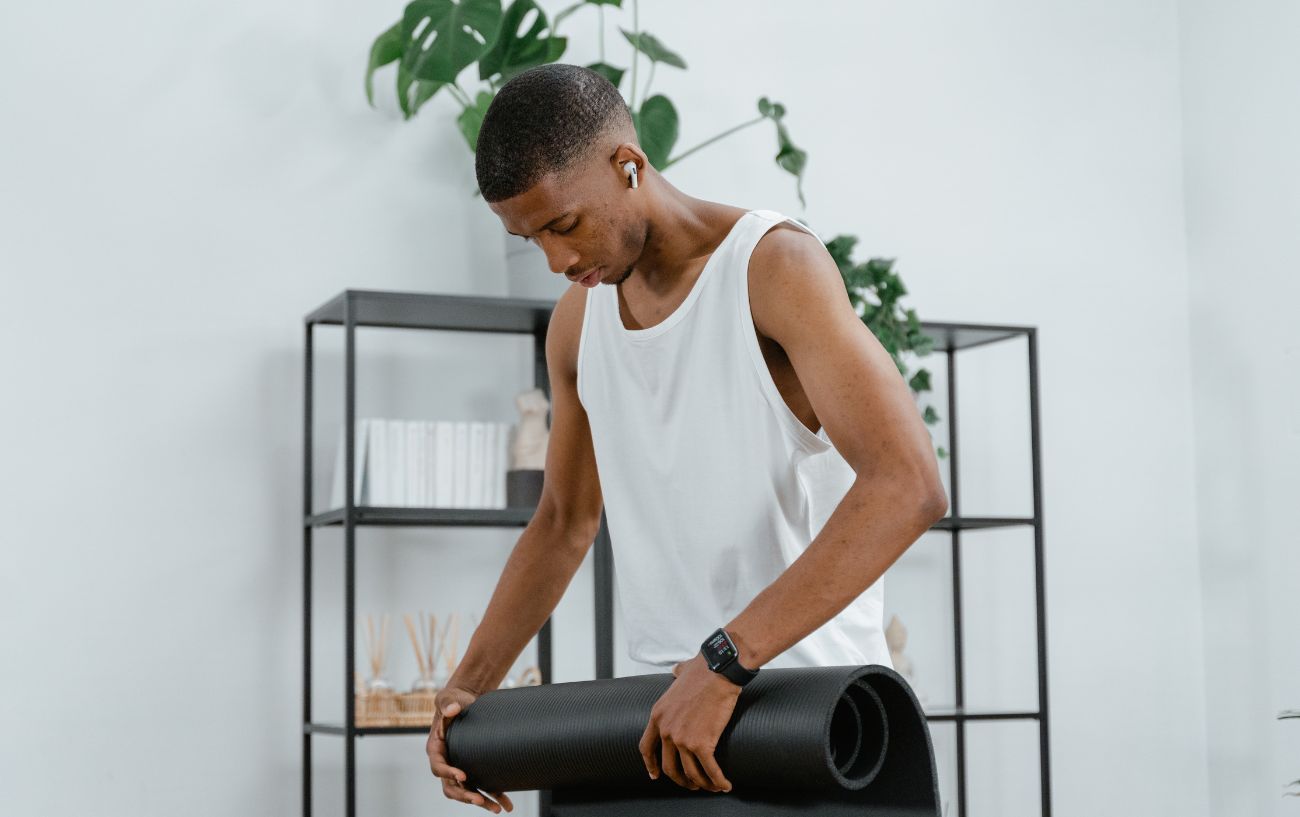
(449, 703)
(685, 725)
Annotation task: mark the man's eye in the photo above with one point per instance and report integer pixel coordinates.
(569, 229)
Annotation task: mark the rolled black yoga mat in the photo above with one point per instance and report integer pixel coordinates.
(826, 740)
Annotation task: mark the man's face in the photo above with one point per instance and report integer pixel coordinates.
(584, 221)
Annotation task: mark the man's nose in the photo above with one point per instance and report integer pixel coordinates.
(559, 256)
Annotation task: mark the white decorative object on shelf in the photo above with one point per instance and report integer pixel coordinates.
(529, 450)
(896, 640)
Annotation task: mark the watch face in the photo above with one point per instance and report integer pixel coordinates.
(719, 650)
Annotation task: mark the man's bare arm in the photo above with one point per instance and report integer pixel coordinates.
(797, 298)
(562, 529)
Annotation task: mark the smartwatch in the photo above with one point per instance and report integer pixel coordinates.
(721, 656)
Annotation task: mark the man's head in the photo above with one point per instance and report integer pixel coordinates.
(549, 162)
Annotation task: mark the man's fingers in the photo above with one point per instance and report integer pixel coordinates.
(466, 795)
(448, 712)
(691, 769)
(487, 802)
(670, 763)
(446, 772)
(711, 768)
(649, 738)
(504, 800)
(438, 761)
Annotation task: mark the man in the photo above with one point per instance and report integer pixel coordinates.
(701, 366)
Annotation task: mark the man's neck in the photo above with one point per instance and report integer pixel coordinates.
(681, 231)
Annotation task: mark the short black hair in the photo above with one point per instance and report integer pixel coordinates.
(544, 120)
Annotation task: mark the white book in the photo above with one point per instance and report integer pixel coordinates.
(477, 459)
(397, 462)
(414, 463)
(359, 469)
(443, 449)
(460, 464)
(425, 480)
(489, 467)
(503, 460)
(377, 462)
(494, 454)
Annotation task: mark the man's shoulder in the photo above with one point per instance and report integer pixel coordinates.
(792, 277)
(565, 328)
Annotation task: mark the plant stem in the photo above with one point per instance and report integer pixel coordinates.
(636, 51)
(555, 24)
(463, 98)
(707, 142)
(649, 79)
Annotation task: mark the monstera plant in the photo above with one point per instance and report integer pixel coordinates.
(435, 41)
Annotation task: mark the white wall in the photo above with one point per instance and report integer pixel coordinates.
(1240, 74)
(182, 182)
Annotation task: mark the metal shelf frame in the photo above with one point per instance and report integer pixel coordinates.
(354, 308)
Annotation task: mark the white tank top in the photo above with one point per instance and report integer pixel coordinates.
(712, 485)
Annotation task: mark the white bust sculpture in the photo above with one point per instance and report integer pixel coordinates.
(529, 447)
(896, 638)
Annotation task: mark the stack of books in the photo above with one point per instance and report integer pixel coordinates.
(426, 464)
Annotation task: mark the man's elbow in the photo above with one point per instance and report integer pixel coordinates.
(935, 505)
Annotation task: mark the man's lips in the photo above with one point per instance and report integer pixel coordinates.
(589, 277)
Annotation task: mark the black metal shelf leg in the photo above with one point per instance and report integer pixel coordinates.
(306, 574)
(954, 505)
(349, 563)
(1045, 781)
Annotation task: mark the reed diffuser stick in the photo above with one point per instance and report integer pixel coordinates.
(430, 631)
(451, 654)
(415, 642)
(370, 643)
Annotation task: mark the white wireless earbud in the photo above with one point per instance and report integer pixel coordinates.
(630, 169)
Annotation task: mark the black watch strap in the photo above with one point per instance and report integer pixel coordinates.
(737, 674)
(722, 656)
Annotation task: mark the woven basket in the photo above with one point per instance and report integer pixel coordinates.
(416, 708)
(377, 709)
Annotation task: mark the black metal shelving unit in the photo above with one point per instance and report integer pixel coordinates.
(951, 338)
(413, 310)
(351, 309)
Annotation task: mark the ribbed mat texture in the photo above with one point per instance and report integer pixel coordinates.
(812, 740)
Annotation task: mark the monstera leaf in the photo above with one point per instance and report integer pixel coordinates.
(649, 45)
(512, 51)
(471, 119)
(441, 37)
(609, 72)
(656, 129)
(412, 92)
(386, 48)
